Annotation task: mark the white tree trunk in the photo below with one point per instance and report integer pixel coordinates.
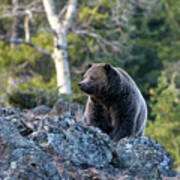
(61, 64)
(26, 26)
(14, 30)
(60, 29)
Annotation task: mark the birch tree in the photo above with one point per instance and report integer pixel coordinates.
(60, 29)
(16, 20)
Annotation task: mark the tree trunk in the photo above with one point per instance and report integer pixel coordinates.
(61, 64)
(60, 29)
(26, 26)
(16, 31)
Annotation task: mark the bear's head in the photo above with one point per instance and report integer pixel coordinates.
(95, 79)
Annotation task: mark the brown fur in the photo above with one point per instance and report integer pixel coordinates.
(115, 104)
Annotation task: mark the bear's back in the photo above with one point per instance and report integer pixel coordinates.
(127, 80)
(133, 88)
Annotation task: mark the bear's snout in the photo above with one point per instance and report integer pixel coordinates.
(82, 85)
(86, 87)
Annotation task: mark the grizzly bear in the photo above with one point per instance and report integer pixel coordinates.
(114, 103)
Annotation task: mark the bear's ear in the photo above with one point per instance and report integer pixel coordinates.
(107, 67)
(88, 66)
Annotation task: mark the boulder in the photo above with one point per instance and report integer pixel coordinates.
(58, 146)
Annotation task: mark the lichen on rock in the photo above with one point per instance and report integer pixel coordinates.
(46, 145)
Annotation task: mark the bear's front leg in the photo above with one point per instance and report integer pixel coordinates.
(121, 130)
(122, 123)
(97, 116)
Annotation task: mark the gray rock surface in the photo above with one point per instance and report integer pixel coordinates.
(20, 158)
(51, 144)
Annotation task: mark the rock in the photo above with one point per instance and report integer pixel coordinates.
(20, 158)
(144, 158)
(55, 146)
(62, 108)
(41, 110)
(172, 178)
(18, 119)
(80, 146)
(9, 111)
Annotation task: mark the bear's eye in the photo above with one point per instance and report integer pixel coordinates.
(92, 78)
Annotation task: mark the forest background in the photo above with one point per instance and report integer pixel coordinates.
(141, 36)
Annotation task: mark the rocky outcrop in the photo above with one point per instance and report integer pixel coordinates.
(51, 144)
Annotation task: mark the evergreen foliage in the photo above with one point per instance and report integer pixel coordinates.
(166, 110)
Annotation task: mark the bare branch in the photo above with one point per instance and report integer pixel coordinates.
(12, 14)
(102, 42)
(19, 13)
(6, 11)
(34, 4)
(52, 16)
(71, 9)
(62, 12)
(21, 41)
